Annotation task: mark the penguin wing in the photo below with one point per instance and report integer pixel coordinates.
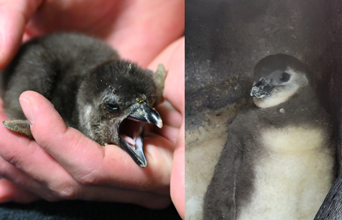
(332, 204)
(220, 199)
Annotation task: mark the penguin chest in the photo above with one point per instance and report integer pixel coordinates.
(292, 177)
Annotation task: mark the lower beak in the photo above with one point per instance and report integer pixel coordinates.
(135, 145)
(136, 150)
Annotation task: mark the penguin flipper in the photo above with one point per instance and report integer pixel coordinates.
(332, 204)
(220, 198)
(19, 126)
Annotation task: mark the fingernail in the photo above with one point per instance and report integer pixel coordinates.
(27, 109)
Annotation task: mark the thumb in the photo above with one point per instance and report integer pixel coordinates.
(13, 18)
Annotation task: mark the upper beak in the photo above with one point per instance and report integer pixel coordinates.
(144, 113)
(262, 88)
(147, 114)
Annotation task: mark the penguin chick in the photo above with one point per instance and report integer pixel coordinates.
(106, 98)
(279, 158)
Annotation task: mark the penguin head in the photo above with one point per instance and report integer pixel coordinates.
(277, 78)
(115, 101)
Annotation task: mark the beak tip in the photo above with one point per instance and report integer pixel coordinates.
(143, 165)
(160, 124)
(141, 160)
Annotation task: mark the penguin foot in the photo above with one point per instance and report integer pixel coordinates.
(19, 126)
(159, 80)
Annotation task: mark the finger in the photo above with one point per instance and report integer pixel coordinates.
(142, 38)
(177, 175)
(88, 162)
(30, 165)
(23, 185)
(173, 59)
(145, 199)
(33, 163)
(21, 180)
(11, 193)
(139, 30)
(172, 121)
(48, 19)
(169, 114)
(53, 189)
(13, 18)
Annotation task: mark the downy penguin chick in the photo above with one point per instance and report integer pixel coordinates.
(278, 162)
(106, 98)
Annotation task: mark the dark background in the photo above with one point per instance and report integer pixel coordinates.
(226, 38)
(82, 210)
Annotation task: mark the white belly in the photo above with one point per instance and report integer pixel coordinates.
(293, 178)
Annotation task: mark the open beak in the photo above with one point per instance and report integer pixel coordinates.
(262, 88)
(133, 127)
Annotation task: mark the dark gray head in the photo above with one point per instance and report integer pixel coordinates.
(114, 101)
(277, 78)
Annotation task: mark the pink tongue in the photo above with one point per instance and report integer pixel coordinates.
(128, 139)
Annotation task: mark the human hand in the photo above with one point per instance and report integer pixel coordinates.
(139, 30)
(80, 165)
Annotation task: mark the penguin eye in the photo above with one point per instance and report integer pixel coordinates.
(285, 77)
(111, 106)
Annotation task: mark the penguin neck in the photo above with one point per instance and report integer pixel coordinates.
(301, 108)
(302, 100)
